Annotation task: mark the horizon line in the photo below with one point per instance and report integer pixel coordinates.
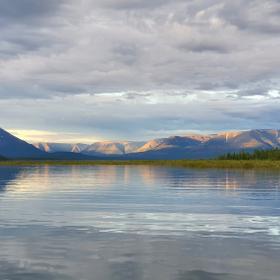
(44, 136)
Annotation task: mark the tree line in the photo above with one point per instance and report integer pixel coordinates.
(273, 154)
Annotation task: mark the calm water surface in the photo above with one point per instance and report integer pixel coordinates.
(142, 222)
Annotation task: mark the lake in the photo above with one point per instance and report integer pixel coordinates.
(138, 222)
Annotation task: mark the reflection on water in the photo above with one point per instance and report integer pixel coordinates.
(7, 174)
(143, 222)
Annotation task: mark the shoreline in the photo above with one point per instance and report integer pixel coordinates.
(217, 164)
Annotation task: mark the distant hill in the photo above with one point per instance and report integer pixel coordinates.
(112, 148)
(177, 142)
(13, 147)
(60, 147)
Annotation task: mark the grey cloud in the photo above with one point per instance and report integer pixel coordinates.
(128, 54)
(19, 10)
(256, 15)
(56, 50)
(178, 45)
(206, 46)
(12, 44)
(133, 4)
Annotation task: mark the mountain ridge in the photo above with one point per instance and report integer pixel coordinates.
(13, 147)
(193, 146)
(51, 147)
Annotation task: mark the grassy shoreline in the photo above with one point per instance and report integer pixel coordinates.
(228, 164)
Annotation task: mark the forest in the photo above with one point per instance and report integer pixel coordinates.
(273, 154)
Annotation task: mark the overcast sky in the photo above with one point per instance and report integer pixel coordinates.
(137, 69)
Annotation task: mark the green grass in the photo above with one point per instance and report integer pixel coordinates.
(230, 164)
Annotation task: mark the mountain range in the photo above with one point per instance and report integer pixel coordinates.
(192, 146)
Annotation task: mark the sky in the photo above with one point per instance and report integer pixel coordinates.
(90, 70)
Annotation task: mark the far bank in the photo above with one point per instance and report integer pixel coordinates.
(224, 164)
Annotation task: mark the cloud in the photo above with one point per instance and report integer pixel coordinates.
(258, 16)
(114, 116)
(145, 55)
(132, 5)
(35, 136)
(22, 11)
